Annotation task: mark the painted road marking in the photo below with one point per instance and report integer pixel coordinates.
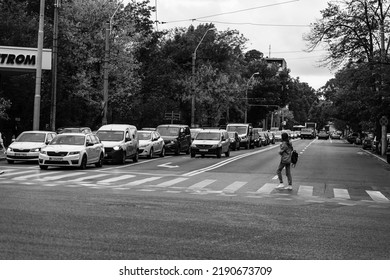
(199, 186)
(232, 188)
(341, 193)
(305, 191)
(377, 196)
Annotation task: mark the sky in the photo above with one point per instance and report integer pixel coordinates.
(273, 27)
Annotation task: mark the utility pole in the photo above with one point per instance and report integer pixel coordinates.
(382, 61)
(38, 78)
(53, 106)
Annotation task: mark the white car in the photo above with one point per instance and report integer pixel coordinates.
(72, 149)
(150, 143)
(28, 145)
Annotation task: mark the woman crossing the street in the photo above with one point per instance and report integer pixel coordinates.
(285, 153)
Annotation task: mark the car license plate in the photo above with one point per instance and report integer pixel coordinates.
(203, 150)
(57, 159)
(20, 154)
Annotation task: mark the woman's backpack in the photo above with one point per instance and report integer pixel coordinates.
(294, 157)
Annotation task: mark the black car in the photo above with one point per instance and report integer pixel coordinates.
(367, 141)
(234, 140)
(177, 138)
(351, 138)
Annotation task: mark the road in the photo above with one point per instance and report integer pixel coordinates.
(177, 207)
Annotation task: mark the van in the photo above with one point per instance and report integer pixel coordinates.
(211, 141)
(245, 132)
(177, 138)
(120, 142)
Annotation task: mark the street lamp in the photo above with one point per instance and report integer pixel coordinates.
(193, 78)
(246, 95)
(106, 63)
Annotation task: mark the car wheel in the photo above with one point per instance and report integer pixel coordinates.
(193, 154)
(43, 167)
(135, 158)
(100, 162)
(10, 161)
(219, 153)
(227, 154)
(188, 151)
(162, 154)
(83, 164)
(150, 155)
(388, 158)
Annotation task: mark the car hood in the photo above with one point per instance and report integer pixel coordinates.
(27, 145)
(64, 148)
(111, 144)
(144, 142)
(206, 142)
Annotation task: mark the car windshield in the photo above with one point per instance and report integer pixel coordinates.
(68, 140)
(31, 137)
(208, 136)
(168, 131)
(110, 135)
(239, 129)
(232, 134)
(144, 135)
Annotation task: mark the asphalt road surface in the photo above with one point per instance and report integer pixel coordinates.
(179, 207)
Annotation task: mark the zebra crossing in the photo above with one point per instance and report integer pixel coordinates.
(189, 185)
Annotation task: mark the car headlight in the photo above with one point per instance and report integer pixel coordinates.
(35, 150)
(117, 148)
(10, 150)
(172, 142)
(74, 153)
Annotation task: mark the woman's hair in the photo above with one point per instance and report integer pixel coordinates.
(285, 137)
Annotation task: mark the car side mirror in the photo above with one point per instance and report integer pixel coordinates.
(89, 144)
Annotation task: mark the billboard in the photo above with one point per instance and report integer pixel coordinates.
(23, 59)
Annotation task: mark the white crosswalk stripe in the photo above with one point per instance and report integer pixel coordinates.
(35, 175)
(142, 181)
(99, 180)
(305, 191)
(115, 179)
(267, 188)
(341, 193)
(51, 178)
(377, 196)
(88, 177)
(232, 188)
(199, 186)
(172, 182)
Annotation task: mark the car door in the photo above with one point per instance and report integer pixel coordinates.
(90, 148)
(127, 143)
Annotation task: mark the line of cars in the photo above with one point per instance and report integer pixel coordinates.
(79, 147)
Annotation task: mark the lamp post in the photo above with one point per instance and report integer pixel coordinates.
(106, 65)
(246, 96)
(38, 77)
(193, 77)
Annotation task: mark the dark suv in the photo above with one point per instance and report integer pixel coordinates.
(177, 138)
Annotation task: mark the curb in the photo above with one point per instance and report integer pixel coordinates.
(378, 157)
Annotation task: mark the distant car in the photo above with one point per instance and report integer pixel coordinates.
(351, 138)
(256, 137)
(72, 149)
(216, 142)
(264, 138)
(271, 136)
(323, 135)
(149, 128)
(335, 135)
(367, 141)
(177, 138)
(234, 140)
(278, 135)
(28, 145)
(150, 143)
(74, 130)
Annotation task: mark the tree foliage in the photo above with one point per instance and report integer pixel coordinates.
(150, 72)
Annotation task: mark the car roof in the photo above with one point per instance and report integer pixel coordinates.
(116, 127)
(37, 131)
